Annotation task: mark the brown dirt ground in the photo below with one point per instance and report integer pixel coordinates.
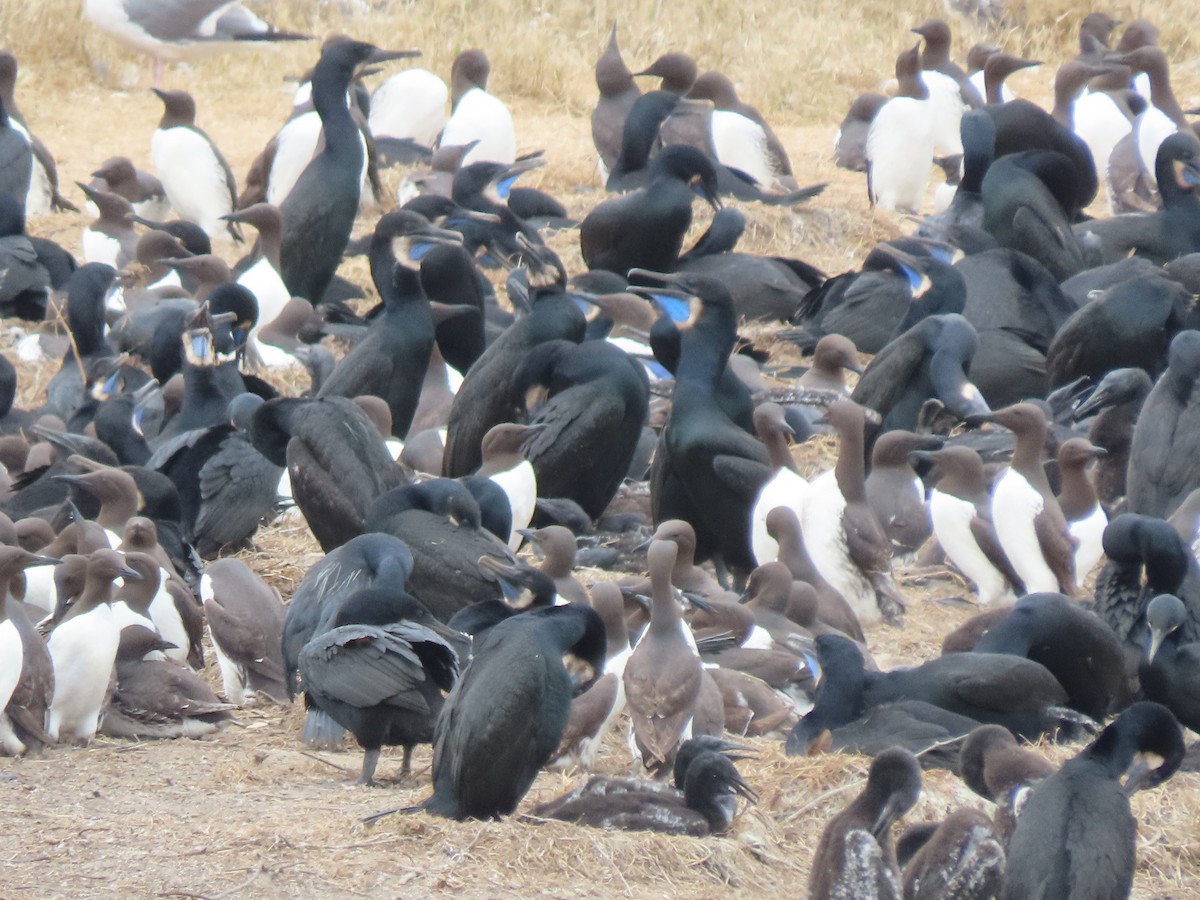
(248, 813)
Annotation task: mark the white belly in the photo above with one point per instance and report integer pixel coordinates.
(520, 483)
(100, 248)
(411, 104)
(1154, 126)
(1088, 531)
(1015, 503)
(83, 650)
(268, 288)
(482, 117)
(948, 107)
(785, 488)
(741, 143)
(952, 524)
(193, 178)
(168, 621)
(825, 538)
(900, 153)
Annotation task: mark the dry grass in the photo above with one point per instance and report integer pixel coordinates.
(247, 813)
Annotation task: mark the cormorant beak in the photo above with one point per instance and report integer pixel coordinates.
(521, 166)
(503, 575)
(530, 534)
(890, 812)
(475, 216)
(235, 216)
(1142, 773)
(1094, 403)
(129, 574)
(1156, 639)
(702, 188)
(1097, 453)
(382, 56)
(740, 787)
(435, 235)
(145, 391)
(664, 277)
(44, 561)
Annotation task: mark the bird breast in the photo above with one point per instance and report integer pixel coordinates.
(482, 117)
(193, 177)
(952, 523)
(1015, 504)
(411, 104)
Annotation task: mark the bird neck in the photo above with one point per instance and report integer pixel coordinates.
(850, 469)
(1078, 496)
(329, 85)
(1027, 459)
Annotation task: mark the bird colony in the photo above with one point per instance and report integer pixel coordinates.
(560, 512)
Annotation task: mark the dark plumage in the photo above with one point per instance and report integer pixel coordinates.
(1076, 646)
(1137, 545)
(1129, 325)
(929, 360)
(439, 521)
(1016, 306)
(1161, 472)
(24, 280)
(1021, 211)
(996, 768)
(484, 399)
(506, 714)
(589, 403)
(390, 361)
(1076, 837)
(988, 687)
(716, 470)
(245, 620)
(1163, 235)
(319, 211)
(962, 860)
(645, 228)
(336, 460)
(1170, 671)
(618, 92)
(1115, 403)
(379, 673)
(227, 488)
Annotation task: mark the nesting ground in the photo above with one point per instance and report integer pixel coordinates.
(248, 813)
